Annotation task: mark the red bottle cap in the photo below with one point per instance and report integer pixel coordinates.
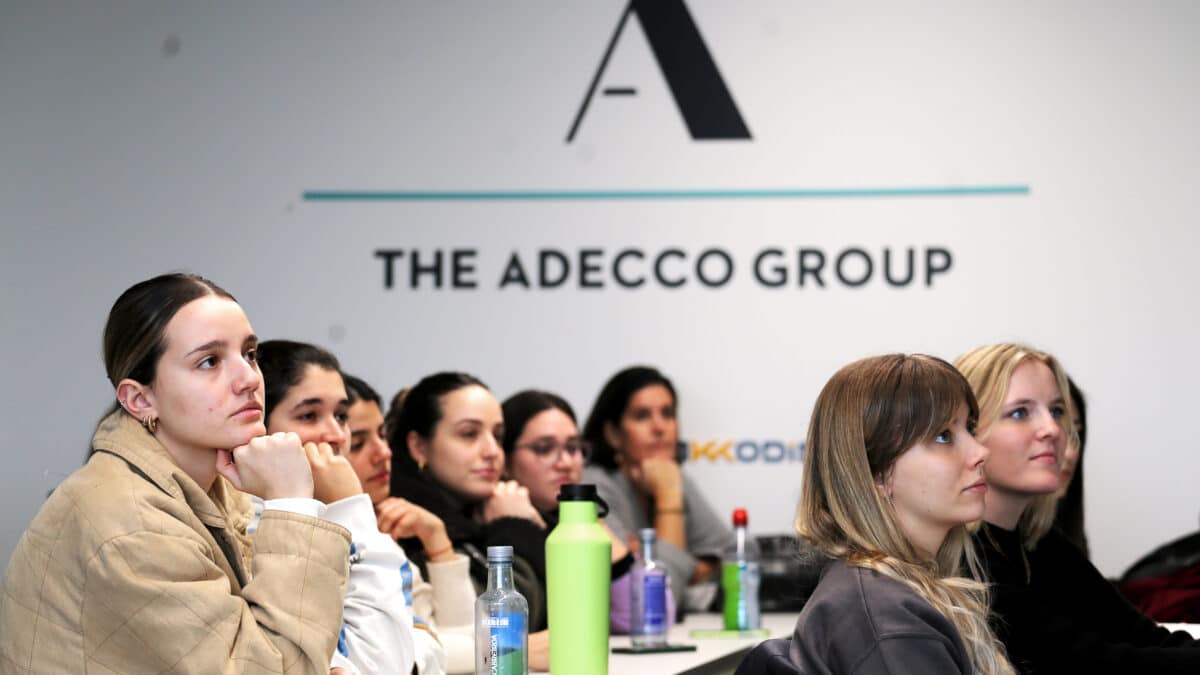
(740, 519)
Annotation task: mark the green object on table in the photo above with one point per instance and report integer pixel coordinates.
(731, 585)
(578, 571)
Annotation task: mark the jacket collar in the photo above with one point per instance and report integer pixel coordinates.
(121, 435)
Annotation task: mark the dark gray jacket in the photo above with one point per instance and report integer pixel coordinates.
(860, 622)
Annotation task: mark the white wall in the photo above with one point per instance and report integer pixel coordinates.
(137, 138)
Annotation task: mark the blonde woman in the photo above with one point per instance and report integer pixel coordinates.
(892, 477)
(1055, 611)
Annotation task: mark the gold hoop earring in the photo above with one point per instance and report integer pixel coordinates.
(151, 423)
(420, 465)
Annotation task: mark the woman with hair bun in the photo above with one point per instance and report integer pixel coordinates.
(448, 459)
(446, 603)
(136, 562)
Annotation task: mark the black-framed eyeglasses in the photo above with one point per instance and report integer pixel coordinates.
(548, 450)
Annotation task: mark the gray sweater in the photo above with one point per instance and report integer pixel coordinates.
(707, 533)
(860, 622)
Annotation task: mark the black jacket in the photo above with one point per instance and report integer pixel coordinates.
(1055, 613)
(472, 539)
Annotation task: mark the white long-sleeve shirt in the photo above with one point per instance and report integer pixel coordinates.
(447, 603)
(379, 634)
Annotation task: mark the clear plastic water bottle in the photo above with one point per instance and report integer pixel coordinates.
(648, 589)
(501, 620)
(740, 574)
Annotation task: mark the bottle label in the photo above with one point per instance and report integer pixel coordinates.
(506, 643)
(654, 599)
(739, 582)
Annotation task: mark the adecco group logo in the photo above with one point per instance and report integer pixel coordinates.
(691, 73)
(746, 451)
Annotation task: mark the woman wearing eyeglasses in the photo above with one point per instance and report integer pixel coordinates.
(543, 452)
(542, 447)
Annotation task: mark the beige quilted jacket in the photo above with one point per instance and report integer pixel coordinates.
(130, 567)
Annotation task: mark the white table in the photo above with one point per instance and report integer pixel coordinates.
(712, 656)
(1193, 628)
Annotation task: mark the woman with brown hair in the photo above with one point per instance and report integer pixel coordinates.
(633, 430)
(543, 452)
(892, 477)
(446, 602)
(448, 459)
(135, 562)
(383, 633)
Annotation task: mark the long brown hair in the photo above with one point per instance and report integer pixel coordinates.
(869, 414)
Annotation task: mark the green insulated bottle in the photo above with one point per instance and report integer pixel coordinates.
(578, 571)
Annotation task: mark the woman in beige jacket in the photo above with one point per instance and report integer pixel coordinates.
(136, 561)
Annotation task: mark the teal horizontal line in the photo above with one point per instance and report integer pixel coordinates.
(577, 195)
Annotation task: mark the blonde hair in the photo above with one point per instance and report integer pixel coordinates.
(869, 414)
(989, 371)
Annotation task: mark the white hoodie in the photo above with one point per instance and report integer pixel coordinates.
(379, 635)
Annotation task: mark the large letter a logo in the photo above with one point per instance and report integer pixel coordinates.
(692, 75)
